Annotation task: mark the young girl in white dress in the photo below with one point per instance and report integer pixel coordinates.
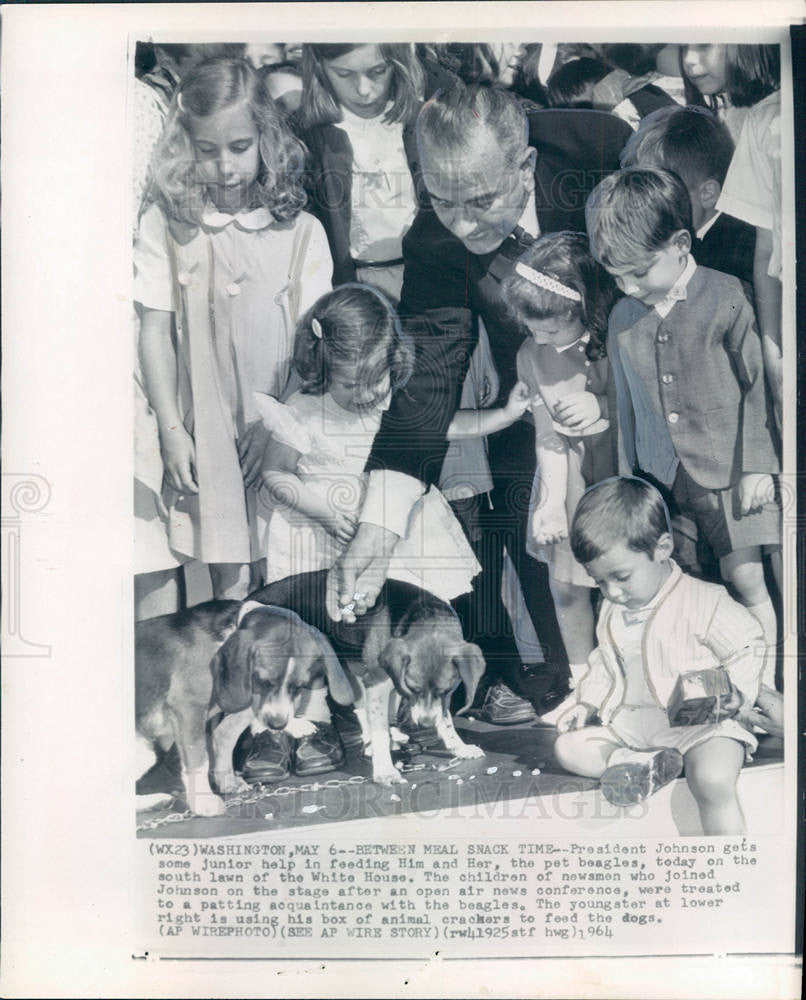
(349, 355)
(359, 104)
(225, 262)
(563, 298)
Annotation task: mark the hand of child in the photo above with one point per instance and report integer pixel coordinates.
(251, 450)
(518, 401)
(341, 526)
(179, 459)
(577, 410)
(767, 713)
(576, 717)
(755, 490)
(732, 704)
(549, 525)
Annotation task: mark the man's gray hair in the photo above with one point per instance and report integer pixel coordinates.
(452, 119)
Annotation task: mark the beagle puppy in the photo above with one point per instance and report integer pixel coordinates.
(410, 645)
(203, 675)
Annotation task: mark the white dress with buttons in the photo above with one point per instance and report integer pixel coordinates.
(236, 286)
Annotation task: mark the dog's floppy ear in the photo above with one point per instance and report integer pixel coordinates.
(232, 684)
(469, 661)
(338, 683)
(394, 659)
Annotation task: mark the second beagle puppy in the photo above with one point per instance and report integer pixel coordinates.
(410, 645)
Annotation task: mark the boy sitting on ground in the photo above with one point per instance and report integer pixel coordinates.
(655, 624)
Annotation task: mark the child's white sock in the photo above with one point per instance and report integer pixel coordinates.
(764, 613)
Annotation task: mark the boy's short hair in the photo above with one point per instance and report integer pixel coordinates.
(633, 213)
(692, 142)
(623, 510)
(568, 83)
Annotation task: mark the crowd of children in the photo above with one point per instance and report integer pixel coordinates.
(269, 262)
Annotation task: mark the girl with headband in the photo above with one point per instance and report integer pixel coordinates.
(563, 299)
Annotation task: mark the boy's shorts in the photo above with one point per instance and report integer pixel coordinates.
(644, 728)
(718, 517)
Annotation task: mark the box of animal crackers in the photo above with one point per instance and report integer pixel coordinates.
(700, 696)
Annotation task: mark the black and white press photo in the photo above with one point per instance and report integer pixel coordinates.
(441, 519)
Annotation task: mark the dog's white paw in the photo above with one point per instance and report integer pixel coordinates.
(207, 805)
(397, 736)
(235, 784)
(465, 751)
(300, 727)
(391, 777)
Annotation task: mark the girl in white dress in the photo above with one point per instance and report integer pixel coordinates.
(350, 355)
(225, 262)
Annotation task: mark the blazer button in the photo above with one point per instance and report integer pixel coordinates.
(662, 338)
(667, 379)
(673, 418)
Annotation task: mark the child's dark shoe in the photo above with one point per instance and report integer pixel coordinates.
(639, 774)
(269, 758)
(320, 752)
(502, 707)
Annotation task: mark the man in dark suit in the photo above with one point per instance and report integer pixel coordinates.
(497, 179)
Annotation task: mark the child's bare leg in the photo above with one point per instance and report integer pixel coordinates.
(575, 618)
(712, 769)
(586, 751)
(158, 593)
(744, 570)
(231, 581)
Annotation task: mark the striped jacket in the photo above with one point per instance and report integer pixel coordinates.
(695, 626)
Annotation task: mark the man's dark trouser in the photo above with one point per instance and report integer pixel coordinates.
(482, 613)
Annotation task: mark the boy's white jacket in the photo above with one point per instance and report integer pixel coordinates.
(696, 626)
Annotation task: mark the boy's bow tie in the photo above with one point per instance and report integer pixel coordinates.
(677, 293)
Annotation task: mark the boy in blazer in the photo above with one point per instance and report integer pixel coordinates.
(692, 403)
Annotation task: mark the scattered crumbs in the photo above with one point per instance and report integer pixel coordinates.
(491, 770)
